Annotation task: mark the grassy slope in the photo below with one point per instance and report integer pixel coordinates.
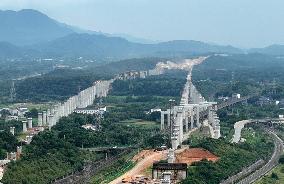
(269, 179)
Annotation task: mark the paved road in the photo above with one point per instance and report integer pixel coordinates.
(278, 150)
(245, 172)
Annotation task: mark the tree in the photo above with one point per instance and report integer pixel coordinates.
(33, 113)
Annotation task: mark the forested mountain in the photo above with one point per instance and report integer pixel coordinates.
(196, 47)
(48, 37)
(27, 27)
(101, 46)
(8, 50)
(114, 48)
(38, 36)
(62, 83)
(87, 45)
(277, 50)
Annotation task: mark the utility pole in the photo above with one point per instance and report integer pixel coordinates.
(12, 92)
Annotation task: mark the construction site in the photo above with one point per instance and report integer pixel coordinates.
(170, 165)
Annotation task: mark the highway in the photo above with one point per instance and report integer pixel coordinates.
(273, 161)
(278, 150)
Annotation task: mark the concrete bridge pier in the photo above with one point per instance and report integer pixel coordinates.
(163, 123)
(197, 117)
(186, 123)
(191, 118)
(39, 123)
(162, 120)
(44, 118)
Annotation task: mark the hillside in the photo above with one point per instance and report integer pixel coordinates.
(27, 27)
(8, 50)
(37, 35)
(277, 50)
(101, 46)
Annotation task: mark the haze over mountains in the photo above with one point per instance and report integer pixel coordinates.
(31, 33)
(27, 27)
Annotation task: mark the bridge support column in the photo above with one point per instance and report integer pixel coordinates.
(39, 119)
(44, 118)
(186, 123)
(174, 142)
(162, 120)
(180, 123)
(169, 119)
(191, 119)
(197, 117)
(210, 116)
(154, 174)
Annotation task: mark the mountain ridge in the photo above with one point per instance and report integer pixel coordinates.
(33, 33)
(28, 26)
(275, 49)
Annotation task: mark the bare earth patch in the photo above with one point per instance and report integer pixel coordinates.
(191, 155)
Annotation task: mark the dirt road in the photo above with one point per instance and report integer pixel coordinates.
(141, 166)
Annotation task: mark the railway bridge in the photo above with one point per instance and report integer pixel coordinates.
(192, 112)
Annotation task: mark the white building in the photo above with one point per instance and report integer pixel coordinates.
(155, 110)
(236, 95)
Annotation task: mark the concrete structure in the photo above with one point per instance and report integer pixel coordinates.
(44, 118)
(29, 139)
(24, 126)
(10, 118)
(39, 122)
(192, 112)
(75, 103)
(90, 110)
(171, 156)
(166, 178)
(12, 130)
(30, 122)
(236, 96)
(177, 170)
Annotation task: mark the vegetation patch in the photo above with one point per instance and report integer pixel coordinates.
(233, 157)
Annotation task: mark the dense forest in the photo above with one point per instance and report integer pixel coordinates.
(59, 84)
(232, 157)
(169, 84)
(56, 153)
(249, 74)
(56, 85)
(5, 125)
(8, 143)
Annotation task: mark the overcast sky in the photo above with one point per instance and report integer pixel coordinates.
(243, 23)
